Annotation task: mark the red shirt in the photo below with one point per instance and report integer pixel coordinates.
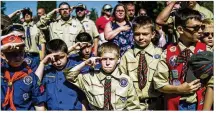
(101, 23)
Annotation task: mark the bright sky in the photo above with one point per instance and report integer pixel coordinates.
(12, 6)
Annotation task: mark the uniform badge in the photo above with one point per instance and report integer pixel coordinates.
(123, 99)
(173, 48)
(123, 82)
(175, 74)
(172, 60)
(27, 80)
(27, 60)
(176, 82)
(157, 56)
(25, 96)
(199, 50)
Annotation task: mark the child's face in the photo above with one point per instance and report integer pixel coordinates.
(193, 30)
(60, 60)
(15, 58)
(86, 50)
(208, 35)
(143, 35)
(109, 61)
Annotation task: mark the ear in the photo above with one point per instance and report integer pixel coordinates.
(180, 29)
(153, 34)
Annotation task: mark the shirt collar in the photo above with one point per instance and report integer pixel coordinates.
(149, 49)
(66, 22)
(183, 47)
(28, 24)
(114, 74)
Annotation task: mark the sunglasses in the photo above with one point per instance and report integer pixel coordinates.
(206, 34)
(108, 10)
(196, 28)
(79, 9)
(64, 9)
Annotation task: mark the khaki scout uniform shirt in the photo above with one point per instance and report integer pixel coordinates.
(129, 65)
(37, 37)
(60, 29)
(211, 82)
(161, 78)
(87, 25)
(123, 95)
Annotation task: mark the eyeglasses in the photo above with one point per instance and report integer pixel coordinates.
(79, 9)
(120, 11)
(64, 9)
(108, 10)
(196, 28)
(206, 34)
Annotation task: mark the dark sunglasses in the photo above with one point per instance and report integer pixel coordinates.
(206, 34)
(64, 9)
(108, 10)
(197, 27)
(79, 9)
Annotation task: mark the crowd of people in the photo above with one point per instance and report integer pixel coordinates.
(122, 61)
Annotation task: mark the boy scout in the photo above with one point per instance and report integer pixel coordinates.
(107, 89)
(60, 94)
(84, 44)
(172, 67)
(34, 41)
(208, 33)
(20, 89)
(141, 71)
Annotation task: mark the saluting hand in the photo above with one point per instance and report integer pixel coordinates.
(92, 61)
(189, 87)
(51, 58)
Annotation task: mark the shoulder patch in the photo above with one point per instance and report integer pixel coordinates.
(173, 49)
(123, 82)
(27, 80)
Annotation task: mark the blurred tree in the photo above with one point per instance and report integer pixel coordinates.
(47, 5)
(94, 14)
(3, 8)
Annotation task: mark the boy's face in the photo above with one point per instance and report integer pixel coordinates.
(86, 50)
(109, 61)
(143, 35)
(60, 60)
(27, 17)
(15, 58)
(208, 35)
(193, 30)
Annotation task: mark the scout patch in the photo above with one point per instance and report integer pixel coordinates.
(27, 80)
(123, 82)
(28, 61)
(123, 99)
(25, 96)
(199, 50)
(173, 48)
(175, 74)
(157, 56)
(172, 60)
(176, 82)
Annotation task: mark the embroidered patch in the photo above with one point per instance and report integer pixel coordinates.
(199, 50)
(173, 48)
(172, 60)
(157, 56)
(175, 74)
(25, 96)
(176, 82)
(123, 82)
(28, 61)
(123, 99)
(27, 80)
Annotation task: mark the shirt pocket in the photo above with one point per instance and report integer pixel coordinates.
(121, 99)
(96, 96)
(49, 82)
(152, 69)
(132, 70)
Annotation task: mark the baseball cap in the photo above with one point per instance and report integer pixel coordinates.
(79, 5)
(11, 39)
(107, 6)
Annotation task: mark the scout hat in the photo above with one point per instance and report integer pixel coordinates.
(79, 5)
(201, 64)
(107, 6)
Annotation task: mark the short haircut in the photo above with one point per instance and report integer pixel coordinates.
(56, 45)
(64, 3)
(84, 37)
(109, 47)
(208, 21)
(115, 8)
(182, 15)
(142, 21)
(11, 28)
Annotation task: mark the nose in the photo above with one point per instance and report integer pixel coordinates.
(87, 50)
(58, 62)
(107, 62)
(141, 37)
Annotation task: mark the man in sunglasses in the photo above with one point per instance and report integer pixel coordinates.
(103, 20)
(86, 25)
(172, 69)
(34, 41)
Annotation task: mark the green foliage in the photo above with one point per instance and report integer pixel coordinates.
(3, 8)
(207, 4)
(94, 14)
(47, 5)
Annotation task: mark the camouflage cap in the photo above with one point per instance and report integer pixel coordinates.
(201, 65)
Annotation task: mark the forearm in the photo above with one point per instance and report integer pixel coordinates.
(12, 14)
(45, 19)
(42, 51)
(110, 35)
(209, 99)
(39, 71)
(164, 15)
(96, 40)
(169, 89)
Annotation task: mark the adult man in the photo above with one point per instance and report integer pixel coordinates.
(41, 12)
(86, 25)
(34, 40)
(130, 11)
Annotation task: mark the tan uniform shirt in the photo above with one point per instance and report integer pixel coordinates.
(161, 77)
(37, 37)
(129, 65)
(123, 94)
